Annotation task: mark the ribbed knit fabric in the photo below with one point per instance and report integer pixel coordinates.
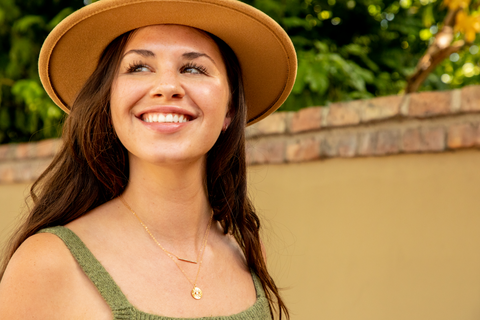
(120, 306)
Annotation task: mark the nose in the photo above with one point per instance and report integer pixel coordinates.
(167, 85)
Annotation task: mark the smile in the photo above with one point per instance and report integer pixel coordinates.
(165, 117)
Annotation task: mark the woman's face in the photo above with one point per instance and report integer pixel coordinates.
(170, 97)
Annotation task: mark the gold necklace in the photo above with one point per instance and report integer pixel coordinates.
(169, 252)
(196, 291)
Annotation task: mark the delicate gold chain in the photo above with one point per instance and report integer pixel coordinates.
(196, 292)
(166, 251)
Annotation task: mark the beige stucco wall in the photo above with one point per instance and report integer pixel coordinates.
(12, 203)
(375, 238)
(393, 237)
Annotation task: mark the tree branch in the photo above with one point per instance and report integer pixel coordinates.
(440, 49)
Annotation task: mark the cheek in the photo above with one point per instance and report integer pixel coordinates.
(125, 93)
(119, 102)
(211, 98)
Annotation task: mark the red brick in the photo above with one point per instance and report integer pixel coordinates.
(46, 148)
(423, 139)
(22, 151)
(433, 139)
(4, 151)
(388, 142)
(428, 104)
(381, 108)
(266, 151)
(328, 147)
(301, 150)
(25, 150)
(11, 152)
(347, 145)
(367, 143)
(276, 123)
(343, 113)
(306, 119)
(470, 99)
(344, 146)
(411, 140)
(462, 135)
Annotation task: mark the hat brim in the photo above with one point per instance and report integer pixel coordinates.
(267, 57)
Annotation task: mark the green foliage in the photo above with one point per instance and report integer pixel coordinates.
(347, 49)
(350, 49)
(322, 73)
(26, 111)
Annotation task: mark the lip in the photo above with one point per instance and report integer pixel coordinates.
(165, 127)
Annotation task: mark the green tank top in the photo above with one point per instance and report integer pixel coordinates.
(118, 303)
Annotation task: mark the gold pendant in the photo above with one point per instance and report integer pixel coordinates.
(197, 293)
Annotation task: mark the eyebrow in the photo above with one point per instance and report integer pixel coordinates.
(142, 52)
(188, 55)
(194, 55)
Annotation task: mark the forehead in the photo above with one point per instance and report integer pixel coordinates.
(172, 37)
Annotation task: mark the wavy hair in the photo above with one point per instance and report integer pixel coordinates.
(92, 168)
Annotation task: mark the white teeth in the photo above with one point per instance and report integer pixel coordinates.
(165, 118)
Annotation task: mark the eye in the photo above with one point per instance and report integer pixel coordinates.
(137, 67)
(194, 69)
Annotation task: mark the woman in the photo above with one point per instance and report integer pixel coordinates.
(144, 210)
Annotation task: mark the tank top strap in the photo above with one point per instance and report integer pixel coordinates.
(258, 285)
(92, 268)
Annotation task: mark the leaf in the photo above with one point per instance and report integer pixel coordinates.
(292, 22)
(355, 49)
(427, 17)
(25, 23)
(317, 78)
(20, 55)
(2, 16)
(321, 46)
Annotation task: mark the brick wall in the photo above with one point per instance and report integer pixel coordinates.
(418, 122)
(24, 162)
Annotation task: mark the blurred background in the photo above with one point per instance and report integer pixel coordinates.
(365, 179)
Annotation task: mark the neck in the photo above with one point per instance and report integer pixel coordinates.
(171, 201)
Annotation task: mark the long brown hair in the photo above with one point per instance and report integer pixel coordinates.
(92, 168)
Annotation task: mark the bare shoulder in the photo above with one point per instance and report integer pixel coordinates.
(238, 252)
(35, 279)
(236, 247)
(42, 280)
(41, 258)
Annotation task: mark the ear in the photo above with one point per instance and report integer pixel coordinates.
(227, 121)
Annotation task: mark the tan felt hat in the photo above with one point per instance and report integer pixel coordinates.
(267, 57)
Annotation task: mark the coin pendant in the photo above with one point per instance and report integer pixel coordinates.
(197, 293)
